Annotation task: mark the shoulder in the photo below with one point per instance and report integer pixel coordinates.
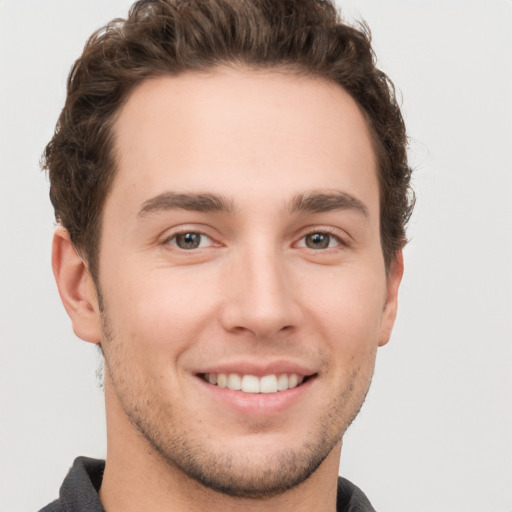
(351, 499)
(79, 491)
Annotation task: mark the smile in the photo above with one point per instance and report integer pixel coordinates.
(252, 384)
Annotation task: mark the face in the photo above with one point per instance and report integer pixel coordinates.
(241, 273)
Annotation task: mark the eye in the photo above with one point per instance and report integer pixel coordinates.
(319, 240)
(190, 240)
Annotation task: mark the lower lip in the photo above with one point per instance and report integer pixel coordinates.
(258, 404)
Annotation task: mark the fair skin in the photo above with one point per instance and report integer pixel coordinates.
(218, 256)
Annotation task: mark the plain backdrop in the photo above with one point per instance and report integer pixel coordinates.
(435, 434)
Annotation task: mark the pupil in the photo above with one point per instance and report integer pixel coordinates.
(317, 241)
(188, 240)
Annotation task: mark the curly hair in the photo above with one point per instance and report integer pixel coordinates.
(170, 37)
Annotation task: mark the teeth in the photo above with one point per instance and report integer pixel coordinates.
(252, 384)
(268, 384)
(222, 380)
(282, 382)
(234, 381)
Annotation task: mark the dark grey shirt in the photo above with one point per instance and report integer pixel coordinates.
(79, 491)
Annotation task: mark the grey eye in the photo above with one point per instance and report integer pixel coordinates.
(318, 240)
(188, 241)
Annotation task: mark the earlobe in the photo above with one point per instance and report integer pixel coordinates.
(76, 288)
(394, 279)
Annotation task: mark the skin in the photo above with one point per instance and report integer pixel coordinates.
(253, 295)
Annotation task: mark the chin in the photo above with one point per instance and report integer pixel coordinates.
(252, 476)
(255, 466)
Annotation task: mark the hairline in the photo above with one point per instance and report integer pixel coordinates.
(92, 256)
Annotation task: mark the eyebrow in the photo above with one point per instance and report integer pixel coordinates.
(206, 202)
(325, 202)
(203, 202)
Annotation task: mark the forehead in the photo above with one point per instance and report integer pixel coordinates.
(235, 130)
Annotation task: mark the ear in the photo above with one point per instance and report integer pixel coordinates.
(394, 278)
(76, 288)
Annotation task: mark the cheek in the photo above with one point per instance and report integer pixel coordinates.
(164, 310)
(348, 309)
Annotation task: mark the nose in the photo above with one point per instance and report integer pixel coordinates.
(261, 296)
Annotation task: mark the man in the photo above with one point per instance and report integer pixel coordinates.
(231, 184)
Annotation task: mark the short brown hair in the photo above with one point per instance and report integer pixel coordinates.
(169, 37)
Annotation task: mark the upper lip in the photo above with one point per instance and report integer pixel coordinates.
(258, 369)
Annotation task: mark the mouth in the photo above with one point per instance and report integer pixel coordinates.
(252, 384)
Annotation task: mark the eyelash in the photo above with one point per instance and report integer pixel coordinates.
(171, 240)
(331, 233)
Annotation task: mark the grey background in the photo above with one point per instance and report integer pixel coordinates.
(436, 431)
